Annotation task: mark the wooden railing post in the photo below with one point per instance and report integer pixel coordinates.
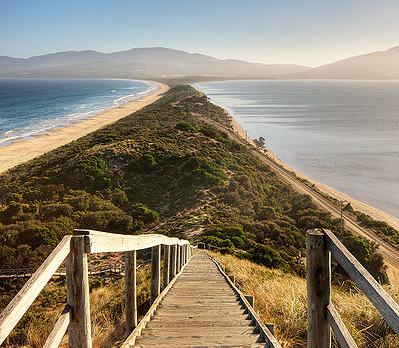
(184, 255)
(173, 262)
(155, 272)
(178, 264)
(166, 266)
(79, 330)
(318, 288)
(182, 258)
(131, 290)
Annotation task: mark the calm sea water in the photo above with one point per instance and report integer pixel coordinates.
(342, 133)
(33, 106)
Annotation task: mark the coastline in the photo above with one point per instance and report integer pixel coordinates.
(375, 213)
(391, 267)
(20, 151)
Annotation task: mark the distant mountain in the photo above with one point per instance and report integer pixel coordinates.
(377, 65)
(156, 62)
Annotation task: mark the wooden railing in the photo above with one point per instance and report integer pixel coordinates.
(322, 315)
(74, 250)
(248, 302)
(116, 268)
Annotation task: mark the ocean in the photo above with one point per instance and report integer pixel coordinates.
(33, 106)
(342, 133)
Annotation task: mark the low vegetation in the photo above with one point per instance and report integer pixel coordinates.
(164, 169)
(280, 299)
(107, 311)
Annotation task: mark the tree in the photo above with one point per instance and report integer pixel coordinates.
(260, 143)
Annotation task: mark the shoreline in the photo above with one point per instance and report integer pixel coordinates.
(20, 151)
(357, 205)
(391, 268)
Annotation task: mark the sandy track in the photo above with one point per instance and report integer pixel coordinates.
(389, 252)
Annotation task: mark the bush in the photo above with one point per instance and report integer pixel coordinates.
(141, 212)
(268, 257)
(188, 127)
(52, 211)
(147, 163)
(119, 198)
(36, 235)
(365, 251)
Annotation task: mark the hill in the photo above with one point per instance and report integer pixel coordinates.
(155, 62)
(163, 169)
(376, 65)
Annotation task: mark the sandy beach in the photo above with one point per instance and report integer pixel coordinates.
(357, 205)
(24, 150)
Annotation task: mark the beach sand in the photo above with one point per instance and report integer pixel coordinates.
(24, 150)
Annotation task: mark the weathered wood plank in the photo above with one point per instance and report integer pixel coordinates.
(271, 341)
(342, 334)
(129, 342)
(178, 265)
(165, 266)
(173, 262)
(60, 327)
(131, 290)
(155, 272)
(79, 331)
(102, 242)
(385, 304)
(318, 278)
(11, 315)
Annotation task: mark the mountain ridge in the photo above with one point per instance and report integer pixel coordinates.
(162, 62)
(373, 65)
(144, 62)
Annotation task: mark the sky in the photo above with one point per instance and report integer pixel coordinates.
(307, 32)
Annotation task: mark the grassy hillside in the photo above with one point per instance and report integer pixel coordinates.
(288, 312)
(166, 169)
(162, 167)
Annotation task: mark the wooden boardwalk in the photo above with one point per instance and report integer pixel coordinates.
(200, 310)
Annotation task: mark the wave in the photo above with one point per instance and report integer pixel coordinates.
(134, 96)
(44, 129)
(54, 115)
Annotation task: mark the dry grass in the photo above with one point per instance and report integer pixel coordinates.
(106, 307)
(280, 298)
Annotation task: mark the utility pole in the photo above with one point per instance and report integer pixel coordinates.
(342, 214)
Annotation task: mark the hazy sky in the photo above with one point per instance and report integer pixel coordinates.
(309, 32)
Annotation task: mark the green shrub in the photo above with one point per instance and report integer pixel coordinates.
(54, 210)
(141, 212)
(188, 127)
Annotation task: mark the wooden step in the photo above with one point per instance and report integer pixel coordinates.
(200, 310)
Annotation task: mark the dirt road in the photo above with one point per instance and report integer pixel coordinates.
(389, 252)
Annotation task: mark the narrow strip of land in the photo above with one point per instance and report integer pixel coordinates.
(24, 150)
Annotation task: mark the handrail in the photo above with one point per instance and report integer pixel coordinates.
(103, 242)
(131, 339)
(11, 315)
(271, 341)
(116, 267)
(321, 244)
(74, 250)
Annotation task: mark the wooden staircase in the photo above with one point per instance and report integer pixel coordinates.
(201, 310)
(199, 305)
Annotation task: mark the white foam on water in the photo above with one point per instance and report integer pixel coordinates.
(62, 120)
